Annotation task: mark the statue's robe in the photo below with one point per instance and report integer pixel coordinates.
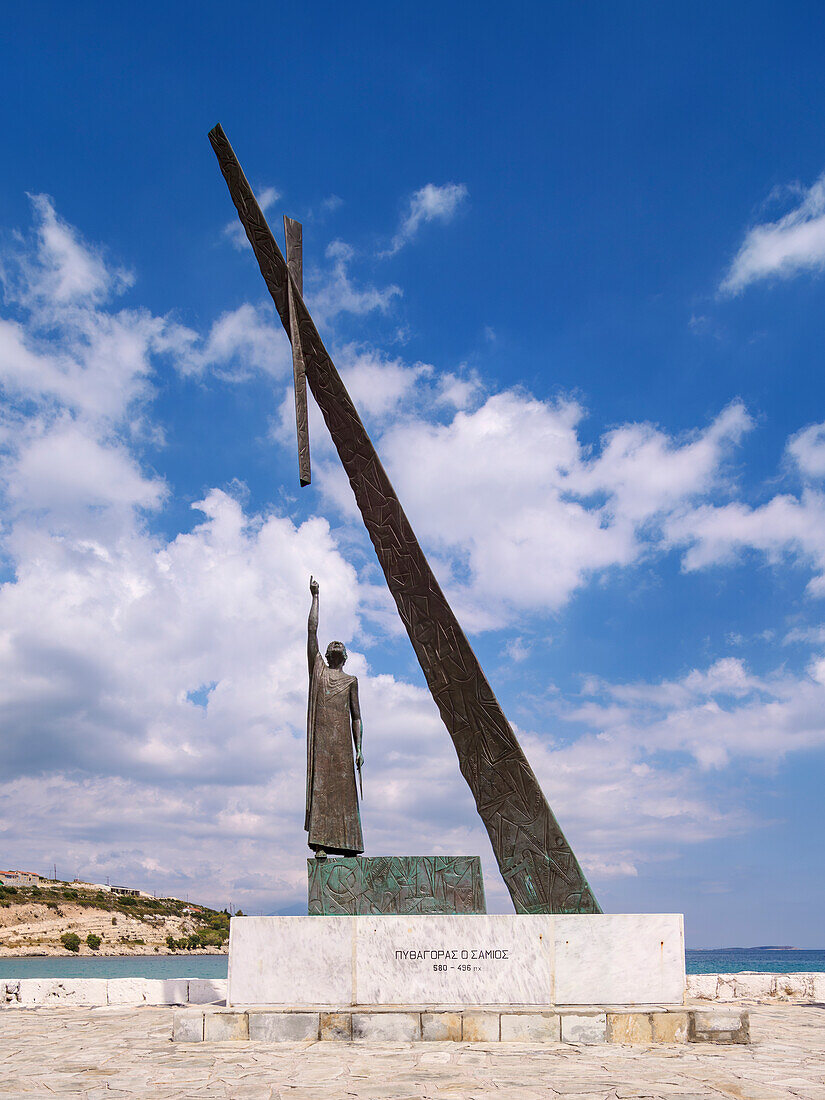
(332, 818)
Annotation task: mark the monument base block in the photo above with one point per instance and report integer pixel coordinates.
(369, 885)
(579, 1026)
(455, 962)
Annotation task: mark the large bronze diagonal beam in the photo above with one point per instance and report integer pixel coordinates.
(537, 863)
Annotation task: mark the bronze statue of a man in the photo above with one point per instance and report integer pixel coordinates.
(333, 722)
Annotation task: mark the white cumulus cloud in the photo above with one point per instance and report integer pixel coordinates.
(430, 203)
(520, 513)
(807, 450)
(332, 291)
(713, 715)
(785, 527)
(780, 249)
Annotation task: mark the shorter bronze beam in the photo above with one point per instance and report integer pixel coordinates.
(294, 263)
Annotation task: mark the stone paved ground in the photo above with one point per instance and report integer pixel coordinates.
(113, 1052)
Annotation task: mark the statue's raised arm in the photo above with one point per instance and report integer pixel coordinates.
(312, 625)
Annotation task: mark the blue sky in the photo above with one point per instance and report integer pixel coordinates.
(569, 260)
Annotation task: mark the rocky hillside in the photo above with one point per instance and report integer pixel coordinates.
(65, 918)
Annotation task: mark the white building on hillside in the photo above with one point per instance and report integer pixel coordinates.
(19, 878)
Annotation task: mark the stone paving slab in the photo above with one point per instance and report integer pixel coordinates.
(118, 1052)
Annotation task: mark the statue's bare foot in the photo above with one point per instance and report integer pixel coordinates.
(320, 853)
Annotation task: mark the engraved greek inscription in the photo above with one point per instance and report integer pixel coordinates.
(440, 956)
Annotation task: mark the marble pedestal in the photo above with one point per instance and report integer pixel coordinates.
(327, 962)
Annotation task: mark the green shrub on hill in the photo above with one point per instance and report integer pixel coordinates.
(210, 939)
(207, 937)
(93, 941)
(71, 941)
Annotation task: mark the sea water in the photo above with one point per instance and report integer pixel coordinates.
(115, 966)
(733, 960)
(730, 960)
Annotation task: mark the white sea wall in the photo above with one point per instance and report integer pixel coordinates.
(807, 987)
(34, 992)
(804, 988)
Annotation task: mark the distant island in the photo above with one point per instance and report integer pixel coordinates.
(763, 947)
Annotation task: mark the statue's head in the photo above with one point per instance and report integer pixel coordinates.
(336, 654)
